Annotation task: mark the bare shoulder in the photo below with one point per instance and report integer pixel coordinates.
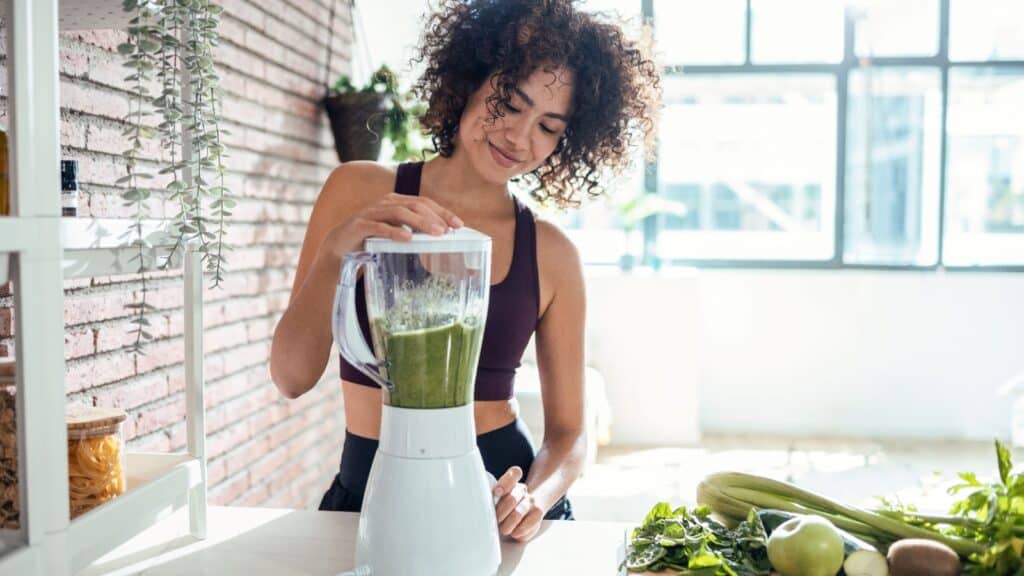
(557, 256)
(353, 184)
(349, 188)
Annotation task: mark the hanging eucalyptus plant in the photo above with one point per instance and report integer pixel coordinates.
(172, 41)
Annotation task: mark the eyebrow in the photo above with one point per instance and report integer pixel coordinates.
(529, 102)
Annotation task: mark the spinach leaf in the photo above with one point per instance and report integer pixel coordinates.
(692, 543)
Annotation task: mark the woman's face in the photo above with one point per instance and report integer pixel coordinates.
(520, 141)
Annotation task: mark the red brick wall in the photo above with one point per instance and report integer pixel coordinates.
(263, 450)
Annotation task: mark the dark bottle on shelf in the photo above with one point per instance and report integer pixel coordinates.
(5, 187)
(69, 187)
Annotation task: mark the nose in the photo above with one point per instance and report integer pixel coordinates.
(517, 133)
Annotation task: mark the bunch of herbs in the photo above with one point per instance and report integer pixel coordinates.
(989, 513)
(997, 509)
(691, 542)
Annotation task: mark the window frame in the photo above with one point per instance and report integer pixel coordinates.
(841, 72)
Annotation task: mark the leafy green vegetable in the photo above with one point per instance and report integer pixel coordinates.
(733, 495)
(692, 543)
(990, 514)
(998, 512)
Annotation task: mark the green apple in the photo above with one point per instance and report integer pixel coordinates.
(806, 546)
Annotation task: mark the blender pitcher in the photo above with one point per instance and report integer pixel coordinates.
(427, 494)
(427, 305)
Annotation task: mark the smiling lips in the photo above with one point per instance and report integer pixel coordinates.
(503, 159)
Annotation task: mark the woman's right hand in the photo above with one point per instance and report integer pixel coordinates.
(386, 218)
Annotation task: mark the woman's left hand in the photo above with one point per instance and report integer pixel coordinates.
(519, 515)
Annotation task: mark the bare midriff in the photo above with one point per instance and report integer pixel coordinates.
(363, 407)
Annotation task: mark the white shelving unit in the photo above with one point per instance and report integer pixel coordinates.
(158, 484)
(38, 250)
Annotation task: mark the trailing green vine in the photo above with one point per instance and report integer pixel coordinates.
(140, 49)
(207, 166)
(172, 22)
(175, 38)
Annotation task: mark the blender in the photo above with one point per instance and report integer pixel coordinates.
(427, 509)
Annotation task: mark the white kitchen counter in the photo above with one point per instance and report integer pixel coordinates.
(278, 542)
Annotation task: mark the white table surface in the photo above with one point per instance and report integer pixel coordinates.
(280, 542)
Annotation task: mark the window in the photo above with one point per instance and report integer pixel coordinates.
(873, 133)
(986, 30)
(888, 28)
(985, 167)
(754, 164)
(893, 156)
(796, 31)
(700, 32)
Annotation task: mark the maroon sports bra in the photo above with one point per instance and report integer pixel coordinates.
(512, 310)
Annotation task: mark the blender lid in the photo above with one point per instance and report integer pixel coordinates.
(455, 240)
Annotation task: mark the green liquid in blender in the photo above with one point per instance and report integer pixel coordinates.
(430, 368)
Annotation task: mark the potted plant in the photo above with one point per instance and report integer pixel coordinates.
(632, 210)
(361, 118)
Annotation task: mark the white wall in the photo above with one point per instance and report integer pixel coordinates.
(642, 338)
(845, 353)
(860, 353)
(392, 31)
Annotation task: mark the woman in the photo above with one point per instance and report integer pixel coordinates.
(516, 89)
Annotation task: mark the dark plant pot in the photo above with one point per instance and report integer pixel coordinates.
(357, 122)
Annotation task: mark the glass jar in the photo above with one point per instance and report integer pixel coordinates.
(9, 501)
(96, 456)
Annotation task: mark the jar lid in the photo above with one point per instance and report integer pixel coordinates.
(83, 417)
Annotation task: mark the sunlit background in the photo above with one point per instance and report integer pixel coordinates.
(832, 249)
(817, 132)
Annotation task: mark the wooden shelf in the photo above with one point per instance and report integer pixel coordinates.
(88, 15)
(20, 560)
(158, 484)
(10, 540)
(92, 233)
(17, 234)
(51, 249)
(14, 233)
(98, 246)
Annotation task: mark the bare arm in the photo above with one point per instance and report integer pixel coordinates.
(560, 350)
(353, 205)
(560, 361)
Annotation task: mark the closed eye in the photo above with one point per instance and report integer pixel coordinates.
(546, 129)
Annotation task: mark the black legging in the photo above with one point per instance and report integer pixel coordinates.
(500, 449)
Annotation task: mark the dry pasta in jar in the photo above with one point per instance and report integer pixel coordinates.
(8, 446)
(96, 456)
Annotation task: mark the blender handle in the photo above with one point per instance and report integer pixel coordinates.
(345, 323)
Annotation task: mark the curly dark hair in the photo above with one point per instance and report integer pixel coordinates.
(616, 85)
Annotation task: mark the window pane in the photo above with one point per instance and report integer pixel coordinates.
(604, 230)
(986, 30)
(900, 28)
(985, 167)
(893, 154)
(700, 31)
(753, 159)
(796, 31)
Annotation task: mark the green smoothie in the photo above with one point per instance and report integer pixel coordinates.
(430, 368)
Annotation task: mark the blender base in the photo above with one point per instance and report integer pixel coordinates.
(428, 516)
